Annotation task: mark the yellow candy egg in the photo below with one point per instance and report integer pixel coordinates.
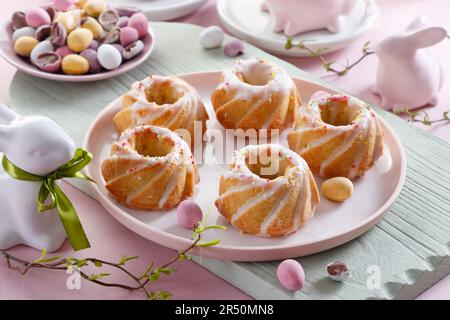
(93, 8)
(24, 45)
(95, 27)
(337, 189)
(75, 64)
(70, 19)
(79, 39)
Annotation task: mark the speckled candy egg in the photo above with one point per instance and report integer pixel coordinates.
(24, 45)
(189, 214)
(93, 25)
(91, 57)
(132, 50)
(337, 189)
(63, 51)
(109, 57)
(49, 62)
(109, 19)
(139, 22)
(63, 5)
(291, 275)
(41, 47)
(75, 64)
(93, 8)
(234, 48)
(37, 17)
(211, 37)
(123, 21)
(79, 39)
(128, 35)
(25, 31)
(18, 20)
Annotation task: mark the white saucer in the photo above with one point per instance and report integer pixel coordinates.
(163, 10)
(247, 21)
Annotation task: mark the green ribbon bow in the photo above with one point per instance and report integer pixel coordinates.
(59, 200)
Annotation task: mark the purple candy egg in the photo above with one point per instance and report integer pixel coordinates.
(63, 5)
(139, 22)
(234, 48)
(91, 57)
(37, 17)
(118, 47)
(94, 45)
(189, 214)
(18, 20)
(291, 275)
(123, 21)
(58, 34)
(63, 51)
(128, 35)
(49, 62)
(126, 11)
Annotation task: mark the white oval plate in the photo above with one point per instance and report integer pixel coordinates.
(247, 21)
(163, 10)
(333, 224)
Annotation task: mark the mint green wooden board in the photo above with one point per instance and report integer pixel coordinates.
(410, 245)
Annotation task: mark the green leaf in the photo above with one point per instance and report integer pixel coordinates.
(288, 45)
(208, 244)
(124, 259)
(215, 227)
(159, 295)
(43, 255)
(98, 263)
(445, 115)
(98, 276)
(76, 262)
(184, 257)
(154, 276)
(167, 271)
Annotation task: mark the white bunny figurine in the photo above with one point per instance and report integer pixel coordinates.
(409, 74)
(39, 146)
(297, 16)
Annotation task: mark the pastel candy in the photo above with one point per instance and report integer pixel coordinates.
(41, 47)
(91, 56)
(42, 32)
(49, 62)
(127, 11)
(139, 22)
(291, 275)
(133, 50)
(18, 20)
(79, 39)
(75, 64)
(128, 35)
(118, 47)
(109, 57)
(111, 36)
(70, 19)
(337, 189)
(189, 214)
(24, 45)
(63, 5)
(234, 48)
(93, 8)
(58, 34)
(109, 19)
(94, 45)
(123, 21)
(37, 17)
(211, 37)
(63, 51)
(25, 31)
(93, 25)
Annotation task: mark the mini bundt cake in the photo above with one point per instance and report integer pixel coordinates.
(269, 191)
(337, 135)
(165, 102)
(255, 94)
(150, 168)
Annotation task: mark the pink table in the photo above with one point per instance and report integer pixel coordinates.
(110, 240)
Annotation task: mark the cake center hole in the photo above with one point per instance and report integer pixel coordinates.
(162, 93)
(266, 165)
(338, 113)
(150, 144)
(258, 74)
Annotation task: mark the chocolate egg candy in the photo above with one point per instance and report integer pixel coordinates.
(127, 11)
(93, 8)
(70, 19)
(189, 214)
(93, 25)
(25, 31)
(75, 64)
(109, 57)
(41, 47)
(37, 17)
(123, 21)
(63, 51)
(234, 48)
(291, 275)
(49, 62)
(338, 271)
(94, 45)
(139, 22)
(111, 36)
(211, 37)
(109, 19)
(58, 34)
(133, 50)
(43, 32)
(128, 35)
(18, 20)
(91, 56)
(24, 45)
(51, 10)
(79, 39)
(63, 5)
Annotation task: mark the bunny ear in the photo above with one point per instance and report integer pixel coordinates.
(7, 114)
(426, 37)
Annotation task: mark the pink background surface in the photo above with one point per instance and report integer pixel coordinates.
(110, 240)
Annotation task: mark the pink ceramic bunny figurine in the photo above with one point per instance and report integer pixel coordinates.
(297, 16)
(39, 146)
(410, 76)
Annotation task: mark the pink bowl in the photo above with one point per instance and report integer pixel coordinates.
(7, 52)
